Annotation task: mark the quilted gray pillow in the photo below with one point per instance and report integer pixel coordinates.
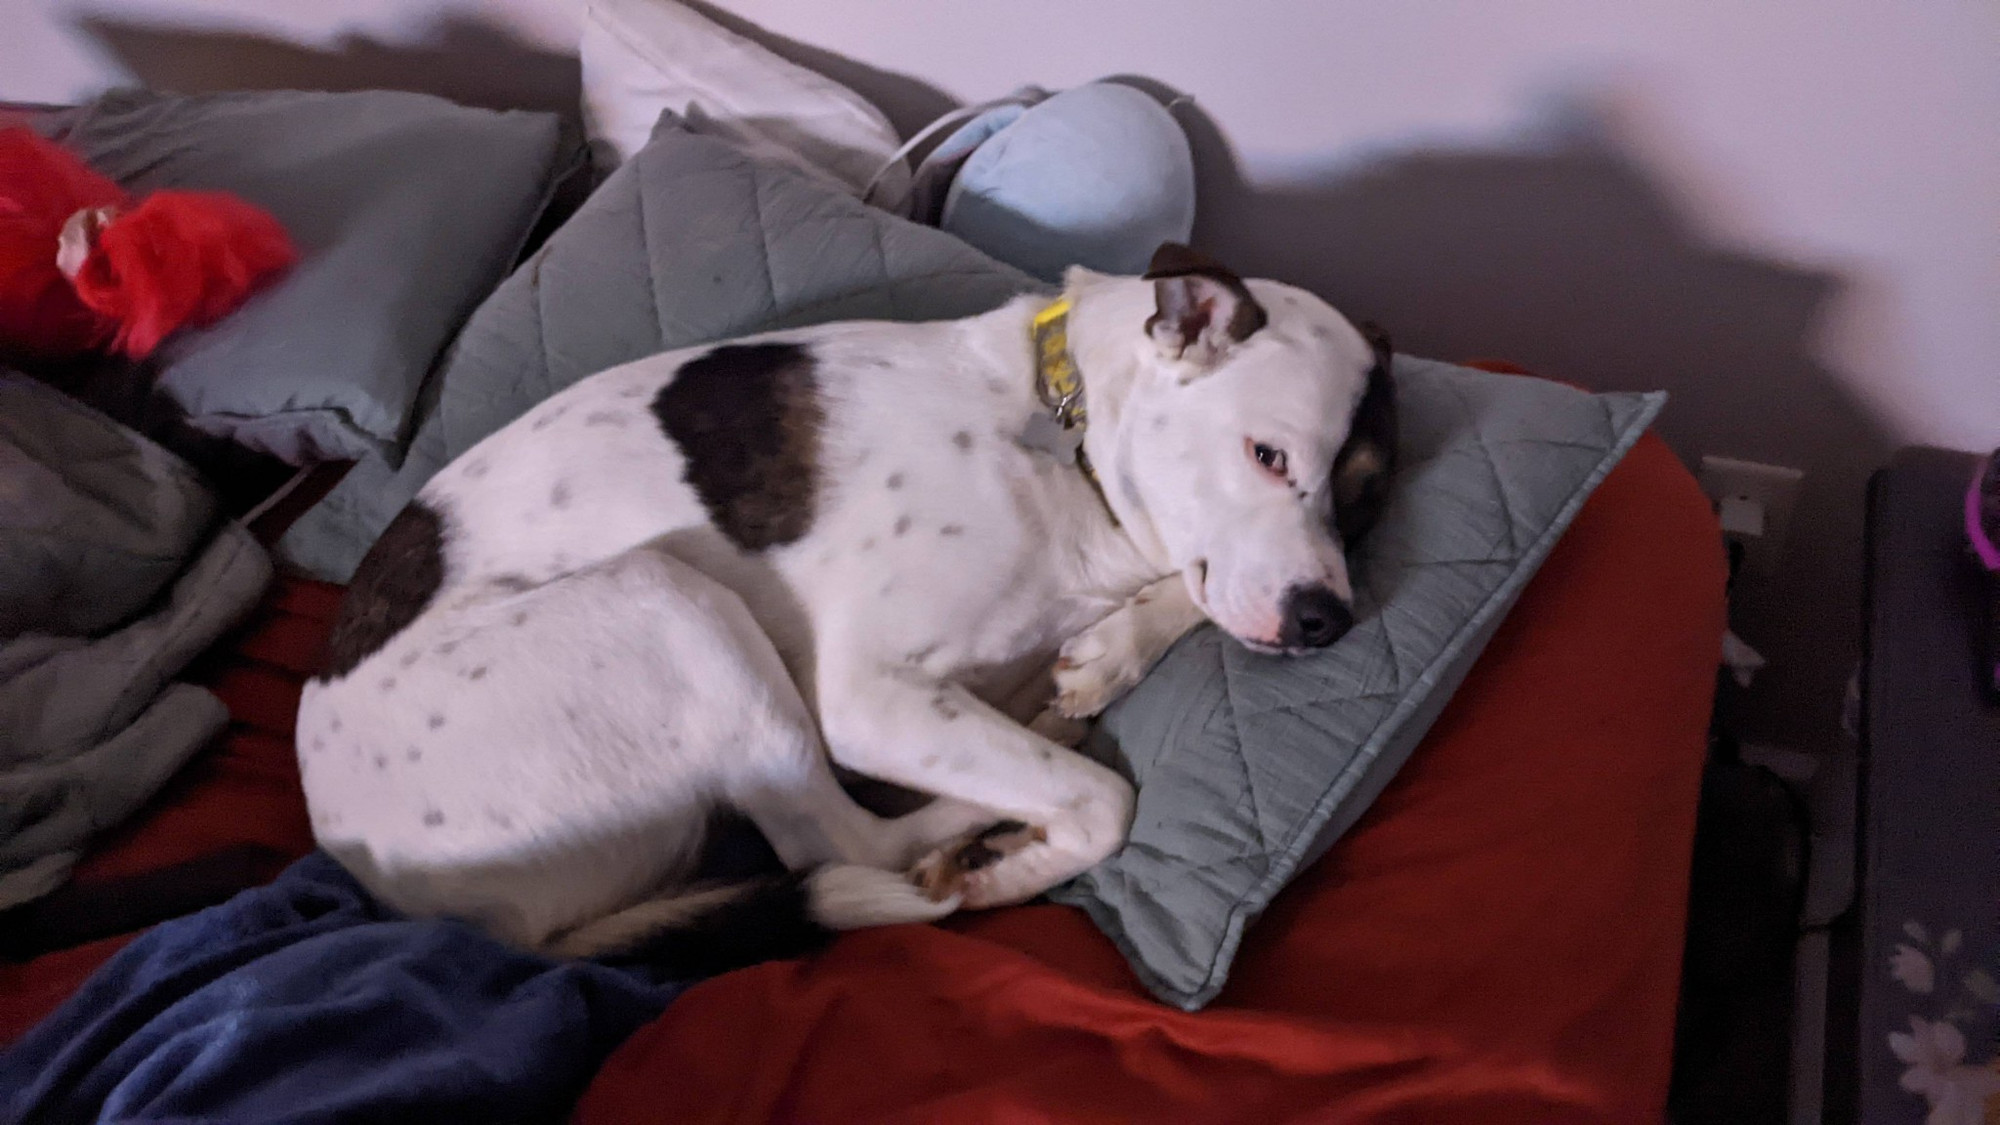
(1249, 767)
(690, 240)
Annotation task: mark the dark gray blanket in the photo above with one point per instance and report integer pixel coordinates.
(116, 570)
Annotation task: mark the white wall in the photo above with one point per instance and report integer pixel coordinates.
(1785, 212)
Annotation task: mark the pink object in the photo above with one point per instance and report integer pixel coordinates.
(1982, 513)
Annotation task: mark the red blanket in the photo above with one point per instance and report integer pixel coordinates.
(1497, 941)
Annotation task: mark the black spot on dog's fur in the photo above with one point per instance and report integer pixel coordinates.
(559, 496)
(1365, 464)
(944, 707)
(604, 418)
(410, 658)
(435, 721)
(388, 683)
(747, 419)
(413, 754)
(381, 761)
(519, 619)
(895, 481)
(447, 648)
(476, 468)
(902, 524)
(394, 583)
(1173, 261)
(962, 440)
(951, 529)
(433, 818)
(548, 418)
(979, 851)
(868, 544)
(512, 584)
(478, 673)
(333, 724)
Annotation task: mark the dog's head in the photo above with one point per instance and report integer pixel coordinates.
(1257, 436)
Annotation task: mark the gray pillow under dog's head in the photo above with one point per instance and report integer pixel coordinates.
(690, 240)
(1249, 767)
(406, 210)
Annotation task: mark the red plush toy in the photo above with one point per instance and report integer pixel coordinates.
(83, 267)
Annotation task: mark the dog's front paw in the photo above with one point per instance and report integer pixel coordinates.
(1097, 666)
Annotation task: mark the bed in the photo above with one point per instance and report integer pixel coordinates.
(1498, 940)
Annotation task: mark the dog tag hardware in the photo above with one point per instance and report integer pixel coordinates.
(1046, 435)
(1059, 384)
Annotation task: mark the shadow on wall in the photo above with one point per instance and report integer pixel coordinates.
(465, 59)
(1565, 257)
(1561, 254)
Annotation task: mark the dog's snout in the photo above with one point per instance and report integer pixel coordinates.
(1315, 617)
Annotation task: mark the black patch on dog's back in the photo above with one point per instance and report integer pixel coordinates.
(394, 583)
(747, 418)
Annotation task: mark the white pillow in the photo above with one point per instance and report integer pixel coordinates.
(641, 57)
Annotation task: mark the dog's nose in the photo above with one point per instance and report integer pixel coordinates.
(1314, 618)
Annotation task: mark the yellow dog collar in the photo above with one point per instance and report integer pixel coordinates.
(1059, 384)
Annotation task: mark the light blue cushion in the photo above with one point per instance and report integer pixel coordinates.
(1096, 176)
(1249, 767)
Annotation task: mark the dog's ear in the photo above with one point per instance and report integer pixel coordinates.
(1361, 472)
(1202, 307)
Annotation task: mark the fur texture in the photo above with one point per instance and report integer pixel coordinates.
(688, 582)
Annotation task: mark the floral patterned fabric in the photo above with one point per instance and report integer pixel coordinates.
(1947, 996)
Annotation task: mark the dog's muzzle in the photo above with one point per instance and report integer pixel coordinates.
(1314, 617)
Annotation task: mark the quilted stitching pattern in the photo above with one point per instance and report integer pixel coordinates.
(1249, 766)
(690, 240)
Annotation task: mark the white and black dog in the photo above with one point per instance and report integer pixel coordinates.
(683, 584)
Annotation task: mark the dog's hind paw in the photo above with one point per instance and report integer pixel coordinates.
(942, 873)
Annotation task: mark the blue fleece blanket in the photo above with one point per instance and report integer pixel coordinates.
(306, 1001)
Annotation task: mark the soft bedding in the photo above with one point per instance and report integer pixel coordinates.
(1250, 766)
(306, 1001)
(1498, 940)
(116, 571)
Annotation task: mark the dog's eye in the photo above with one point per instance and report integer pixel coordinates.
(1272, 459)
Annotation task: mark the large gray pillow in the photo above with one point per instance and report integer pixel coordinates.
(406, 210)
(690, 240)
(1249, 767)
